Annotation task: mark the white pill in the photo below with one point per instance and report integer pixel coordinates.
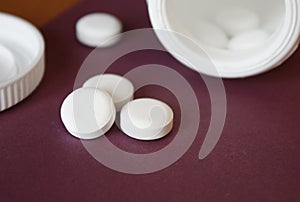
(235, 20)
(98, 30)
(210, 34)
(146, 119)
(248, 40)
(120, 88)
(88, 113)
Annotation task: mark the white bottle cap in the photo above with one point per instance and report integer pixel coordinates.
(88, 113)
(98, 30)
(21, 60)
(120, 88)
(8, 66)
(146, 119)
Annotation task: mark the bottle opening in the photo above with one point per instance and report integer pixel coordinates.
(242, 37)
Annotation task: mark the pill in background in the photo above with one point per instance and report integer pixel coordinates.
(235, 20)
(98, 30)
(248, 40)
(120, 88)
(210, 34)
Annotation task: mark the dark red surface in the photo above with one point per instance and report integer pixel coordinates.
(256, 159)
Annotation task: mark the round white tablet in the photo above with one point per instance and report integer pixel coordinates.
(248, 40)
(98, 30)
(146, 119)
(88, 113)
(235, 20)
(210, 34)
(120, 88)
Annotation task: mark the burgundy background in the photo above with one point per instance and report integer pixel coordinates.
(256, 159)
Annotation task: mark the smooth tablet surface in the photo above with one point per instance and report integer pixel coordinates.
(98, 30)
(146, 119)
(8, 67)
(210, 34)
(88, 113)
(235, 20)
(248, 40)
(120, 88)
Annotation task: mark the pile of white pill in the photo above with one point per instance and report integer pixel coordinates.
(233, 28)
(90, 112)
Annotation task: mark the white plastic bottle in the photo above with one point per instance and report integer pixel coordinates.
(278, 18)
